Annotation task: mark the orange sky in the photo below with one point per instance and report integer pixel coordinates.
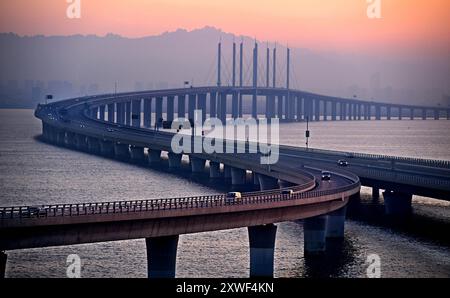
(419, 26)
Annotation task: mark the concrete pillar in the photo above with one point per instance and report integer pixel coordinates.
(158, 111)
(424, 114)
(3, 259)
(315, 232)
(136, 113)
(212, 105)
(154, 156)
(388, 112)
(262, 248)
(336, 223)
(192, 104)
(280, 107)
(226, 172)
(448, 114)
(181, 106)
(81, 142)
(111, 112)
(317, 109)
(148, 112)
(197, 164)
(174, 160)
(161, 256)
(237, 176)
(299, 109)
(102, 112)
(411, 114)
(234, 105)
(397, 203)
(71, 140)
(214, 170)
(267, 183)
(121, 151)
(137, 154)
(222, 111)
(107, 148)
(436, 114)
(375, 192)
(400, 113)
(377, 112)
(333, 110)
(170, 108)
(127, 113)
(120, 113)
(93, 145)
(325, 110)
(61, 137)
(201, 105)
(360, 108)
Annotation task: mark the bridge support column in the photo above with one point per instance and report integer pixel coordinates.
(148, 112)
(121, 151)
(436, 114)
(154, 156)
(81, 142)
(137, 154)
(375, 193)
(136, 113)
(107, 148)
(61, 138)
(93, 145)
(397, 203)
(102, 112)
(226, 172)
(3, 259)
(262, 247)
(377, 112)
(336, 223)
(174, 160)
(161, 256)
(181, 106)
(315, 232)
(71, 140)
(170, 108)
(197, 164)
(237, 176)
(214, 170)
(424, 114)
(267, 183)
(111, 113)
(120, 110)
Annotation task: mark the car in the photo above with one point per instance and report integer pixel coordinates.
(287, 192)
(109, 129)
(326, 175)
(82, 126)
(342, 163)
(232, 197)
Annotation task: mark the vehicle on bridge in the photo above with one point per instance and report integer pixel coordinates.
(342, 163)
(36, 211)
(232, 197)
(287, 192)
(326, 176)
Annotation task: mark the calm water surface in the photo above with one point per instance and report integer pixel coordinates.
(32, 172)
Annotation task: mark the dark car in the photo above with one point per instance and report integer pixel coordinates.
(326, 175)
(287, 192)
(342, 163)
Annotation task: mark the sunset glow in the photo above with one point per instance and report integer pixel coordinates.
(421, 26)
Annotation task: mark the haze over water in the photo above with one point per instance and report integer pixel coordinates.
(34, 173)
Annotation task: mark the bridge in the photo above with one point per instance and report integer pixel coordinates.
(128, 126)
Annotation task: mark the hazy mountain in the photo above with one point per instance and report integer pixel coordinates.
(72, 65)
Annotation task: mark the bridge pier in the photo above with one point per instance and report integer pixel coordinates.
(336, 223)
(267, 183)
(107, 148)
(3, 259)
(174, 160)
(237, 176)
(111, 112)
(61, 138)
(71, 140)
(136, 113)
(93, 145)
(121, 151)
(197, 164)
(397, 203)
(161, 256)
(315, 232)
(214, 170)
(81, 142)
(137, 154)
(154, 156)
(226, 172)
(262, 247)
